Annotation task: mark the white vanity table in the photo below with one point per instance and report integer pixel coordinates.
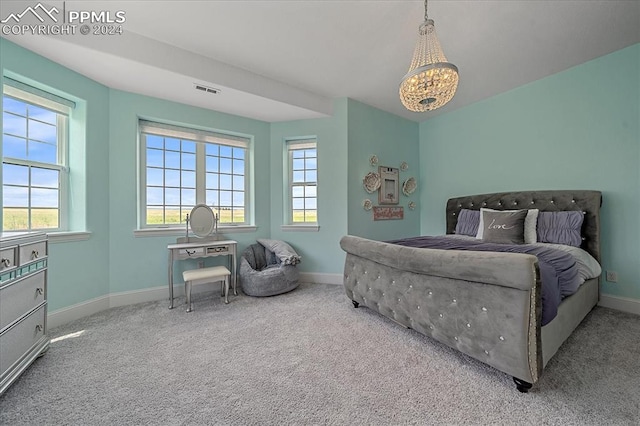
(199, 248)
(203, 223)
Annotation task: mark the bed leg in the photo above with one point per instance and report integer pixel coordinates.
(355, 304)
(521, 385)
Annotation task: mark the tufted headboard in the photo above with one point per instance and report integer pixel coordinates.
(588, 202)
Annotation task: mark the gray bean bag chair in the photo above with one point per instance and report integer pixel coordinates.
(264, 273)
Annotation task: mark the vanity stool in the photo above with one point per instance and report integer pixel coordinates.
(205, 275)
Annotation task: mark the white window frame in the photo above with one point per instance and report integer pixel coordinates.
(291, 145)
(200, 138)
(63, 108)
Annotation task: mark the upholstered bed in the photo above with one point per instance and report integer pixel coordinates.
(486, 304)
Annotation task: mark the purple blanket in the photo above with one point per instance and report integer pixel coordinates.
(558, 269)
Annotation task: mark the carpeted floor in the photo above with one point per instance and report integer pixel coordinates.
(309, 358)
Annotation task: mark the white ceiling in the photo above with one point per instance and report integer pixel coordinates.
(287, 60)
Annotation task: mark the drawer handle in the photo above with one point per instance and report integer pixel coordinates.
(34, 254)
(39, 328)
(190, 252)
(39, 291)
(6, 262)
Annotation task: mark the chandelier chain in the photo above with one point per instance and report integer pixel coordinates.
(426, 16)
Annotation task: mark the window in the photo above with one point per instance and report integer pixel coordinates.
(34, 144)
(184, 167)
(303, 181)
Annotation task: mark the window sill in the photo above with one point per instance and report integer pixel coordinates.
(161, 232)
(68, 236)
(300, 228)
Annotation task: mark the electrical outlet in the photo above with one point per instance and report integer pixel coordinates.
(612, 276)
(201, 265)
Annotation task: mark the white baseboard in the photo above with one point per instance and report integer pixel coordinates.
(624, 304)
(124, 298)
(79, 310)
(320, 278)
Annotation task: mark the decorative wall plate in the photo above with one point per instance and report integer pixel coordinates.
(412, 205)
(371, 182)
(409, 186)
(404, 166)
(367, 204)
(373, 160)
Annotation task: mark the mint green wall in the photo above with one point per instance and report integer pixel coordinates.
(138, 263)
(78, 271)
(564, 131)
(320, 250)
(394, 140)
(577, 129)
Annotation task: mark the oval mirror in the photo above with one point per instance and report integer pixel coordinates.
(201, 220)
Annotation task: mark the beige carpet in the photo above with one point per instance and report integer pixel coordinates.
(309, 358)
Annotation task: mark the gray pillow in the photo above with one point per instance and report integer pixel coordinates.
(284, 251)
(560, 228)
(504, 227)
(468, 221)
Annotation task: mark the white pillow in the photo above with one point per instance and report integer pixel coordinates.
(530, 225)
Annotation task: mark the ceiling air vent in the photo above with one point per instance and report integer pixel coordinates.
(206, 89)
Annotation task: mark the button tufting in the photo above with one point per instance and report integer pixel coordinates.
(533, 202)
(499, 203)
(486, 352)
(418, 307)
(454, 213)
(515, 203)
(398, 300)
(431, 327)
(484, 309)
(459, 205)
(454, 300)
(551, 201)
(471, 204)
(484, 204)
(441, 316)
(468, 325)
(456, 338)
(430, 293)
(573, 201)
(501, 338)
(410, 286)
(378, 276)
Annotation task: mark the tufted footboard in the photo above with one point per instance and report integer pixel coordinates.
(484, 304)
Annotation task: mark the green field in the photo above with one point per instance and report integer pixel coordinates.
(298, 216)
(14, 219)
(172, 216)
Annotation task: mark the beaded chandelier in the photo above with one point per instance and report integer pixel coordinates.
(431, 81)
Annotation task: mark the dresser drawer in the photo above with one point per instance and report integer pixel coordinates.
(20, 297)
(33, 251)
(17, 341)
(8, 258)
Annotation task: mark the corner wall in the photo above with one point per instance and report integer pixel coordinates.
(393, 140)
(78, 270)
(578, 129)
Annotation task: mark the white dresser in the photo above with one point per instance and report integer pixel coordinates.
(23, 303)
